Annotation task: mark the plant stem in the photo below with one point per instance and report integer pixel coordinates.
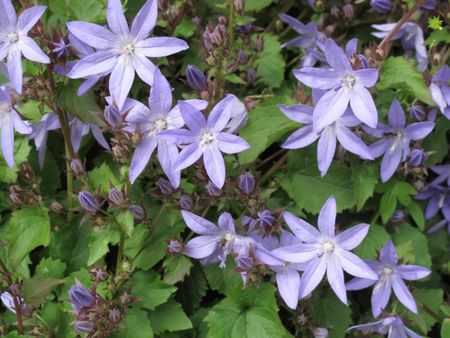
(274, 168)
(384, 43)
(231, 17)
(16, 299)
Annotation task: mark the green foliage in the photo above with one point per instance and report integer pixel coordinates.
(394, 191)
(417, 241)
(372, 244)
(176, 269)
(51, 268)
(169, 317)
(36, 289)
(256, 5)
(364, 178)
(270, 63)
(98, 246)
(22, 149)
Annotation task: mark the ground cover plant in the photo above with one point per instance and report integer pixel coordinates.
(203, 168)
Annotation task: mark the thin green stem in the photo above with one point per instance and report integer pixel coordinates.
(274, 168)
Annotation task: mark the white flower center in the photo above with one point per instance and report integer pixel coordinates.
(398, 141)
(5, 108)
(207, 138)
(328, 247)
(387, 270)
(160, 124)
(349, 81)
(12, 37)
(127, 48)
(228, 236)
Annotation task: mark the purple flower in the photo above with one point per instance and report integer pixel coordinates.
(8, 301)
(40, 131)
(247, 183)
(215, 242)
(325, 252)
(392, 326)
(411, 36)
(343, 85)
(79, 129)
(150, 121)
(206, 138)
(417, 113)
(61, 48)
(238, 116)
(439, 199)
(84, 326)
(440, 90)
(88, 201)
(265, 219)
(443, 172)
(381, 6)
(14, 40)
(137, 211)
(440, 225)
(121, 51)
(395, 139)
(80, 297)
(9, 121)
(417, 157)
(113, 114)
(390, 277)
(337, 130)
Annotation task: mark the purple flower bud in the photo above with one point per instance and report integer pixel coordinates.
(165, 186)
(186, 202)
(56, 207)
(251, 75)
(381, 6)
(88, 201)
(398, 216)
(417, 113)
(116, 196)
(348, 11)
(175, 246)
(245, 262)
(80, 297)
(417, 157)
(320, 332)
(196, 79)
(114, 315)
(137, 211)
(213, 191)
(245, 29)
(84, 326)
(265, 218)
(242, 58)
(8, 301)
(77, 167)
(247, 183)
(113, 115)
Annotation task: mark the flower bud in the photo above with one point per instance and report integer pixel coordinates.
(16, 194)
(113, 115)
(99, 274)
(175, 246)
(186, 202)
(398, 216)
(165, 186)
(247, 183)
(137, 211)
(429, 5)
(335, 11)
(116, 196)
(258, 44)
(238, 6)
(265, 218)
(320, 332)
(416, 158)
(245, 29)
(245, 262)
(251, 75)
(417, 112)
(242, 58)
(84, 326)
(125, 298)
(114, 315)
(88, 201)
(80, 297)
(213, 191)
(348, 11)
(381, 6)
(77, 167)
(196, 79)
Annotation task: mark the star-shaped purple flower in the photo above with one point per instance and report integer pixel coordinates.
(338, 130)
(440, 90)
(207, 138)
(150, 121)
(395, 139)
(15, 42)
(343, 85)
(392, 326)
(40, 131)
(390, 277)
(122, 51)
(325, 252)
(9, 121)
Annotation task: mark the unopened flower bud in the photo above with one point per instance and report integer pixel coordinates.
(213, 190)
(242, 58)
(251, 76)
(113, 115)
(265, 218)
(238, 6)
(116, 196)
(196, 79)
(429, 5)
(80, 297)
(335, 11)
(77, 167)
(175, 246)
(320, 332)
(114, 315)
(247, 183)
(83, 326)
(15, 194)
(245, 29)
(245, 262)
(258, 44)
(125, 298)
(348, 11)
(88, 201)
(165, 186)
(381, 6)
(417, 112)
(398, 216)
(186, 202)
(417, 157)
(137, 211)
(56, 207)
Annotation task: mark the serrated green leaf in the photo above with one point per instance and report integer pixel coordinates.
(417, 215)
(438, 36)
(57, 320)
(36, 289)
(428, 300)
(186, 28)
(266, 124)
(270, 62)
(401, 74)
(169, 317)
(22, 149)
(98, 246)
(137, 325)
(102, 176)
(150, 290)
(364, 178)
(395, 191)
(420, 255)
(176, 268)
(50, 268)
(445, 329)
(192, 289)
(125, 220)
(373, 242)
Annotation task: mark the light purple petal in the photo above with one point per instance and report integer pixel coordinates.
(320, 78)
(21, 126)
(301, 138)
(367, 77)
(94, 64)
(231, 144)
(396, 115)
(335, 276)
(77, 130)
(327, 218)
(351, 238)
(312, 276)
(288, 282)
(302, 230)
(188, 156)
(404, 296)
(178, 136)
(293, 23)
(167, 155)
(32, 51)
(359, 283)
(93, 35)
(90, 82)
(388, 255)
(214, 165)
(363, 106)
(29, 17)
(352, 143)
(116, 19)
(191, 116)
(198, 224)
(330, 107)
(220, 114)
(412, 272)
(144, 68)
(160, 100)
(201, 246)
(141, 156)
(7, 13)
(120, 82)
(300, 113)
(145, 20)
(298, 253)
(160, 46)
(226, 222)
(336, 57)
(326, 148)
(14, 65)
(7, 140)
(355, 265)
(391, 160)
(380, 297)
(379, 148)
(419, 130)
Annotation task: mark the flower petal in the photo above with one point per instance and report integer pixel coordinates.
(380, 297)
(363, 106)
(116, 19)
(193, 118)
(297, 253)
(231, 144)
(141, 156)
(198, 224)
(160, 46)
(120, 81)
(327, 218)
(301, 138)
(352, 143)
(330, 107)
(94, 64)
(312, 276)
(167, 155)
(335, 276)
(32, 51)
(144, 68)
(288, 282)
(351, 238)
(359, 283)
(320, 78)
(300, 113)
(355, 265)
(220, 114)
(336, 57)
(29, 17)
(145, 20)
(390, 162)
(7, 13)
(15, 70)
(404, 296)
(93, 35)
(326, 148)
(201, 246)
(7, 140)
(396, 115)
(419, 130)
(412, 272)
(160, 100)
(178, 136)
(214, 165)
(302, 230)
(388, 255)
(367, 77)
(188, 156)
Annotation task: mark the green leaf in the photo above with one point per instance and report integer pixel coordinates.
(192, 289)
(50, 268)
(57, 320)
(233, 78)
(401, 74)
(416, 213)
(438, 36)
(304, 184)
(373, 242)
(150, 290)
(394, 191)
(137, 325)
(98, 246)
(186, 28)
(256, 5)
(266, 125)
(364, 178)
(427, 300)
(102, 176)
(249, 313)
(437, 141)
(169, 317)
(125, 220)
(27, 229)
(420, 253)
(270, 63)
(22, 149)
(176, 268)
(445, 329)
(87, 10)
(36, 289)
